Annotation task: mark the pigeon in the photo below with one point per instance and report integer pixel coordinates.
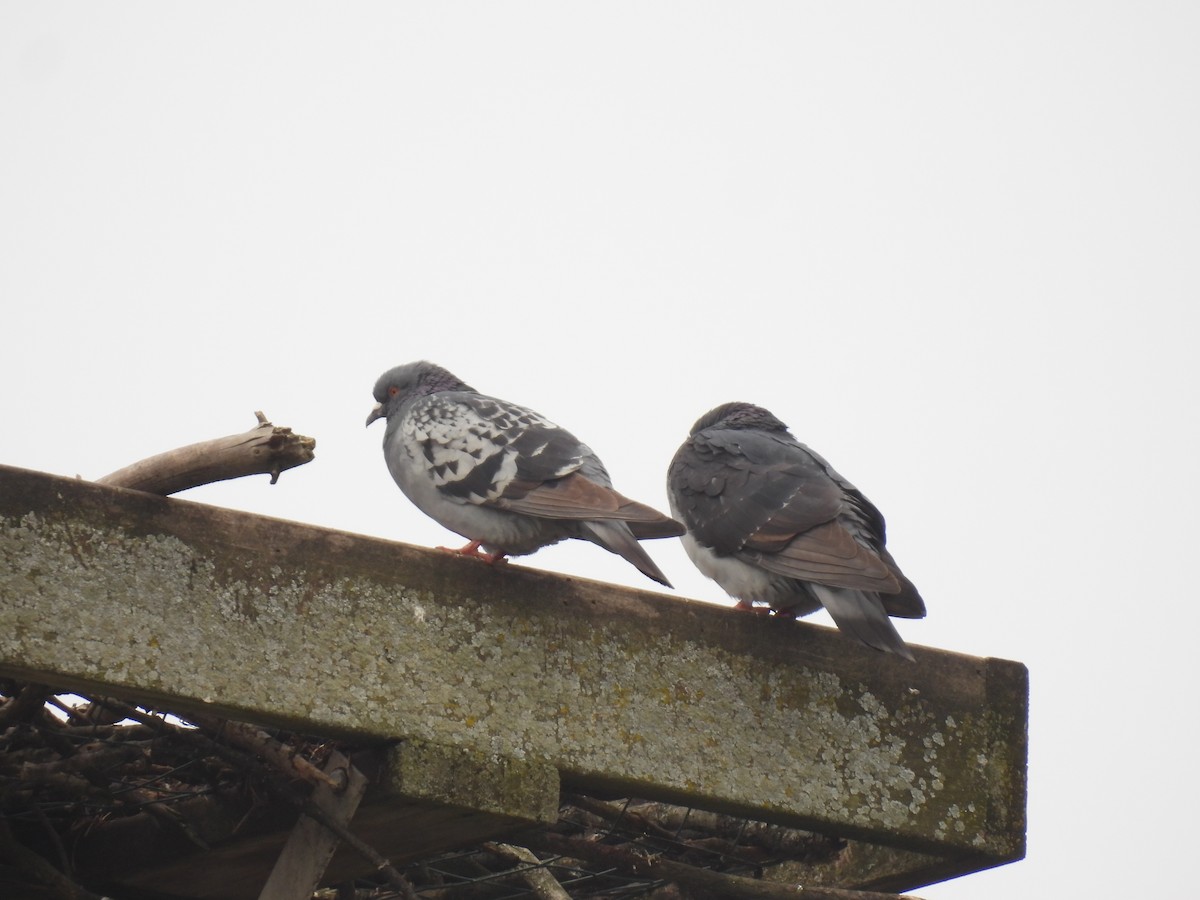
(504, 477)
(771, 522)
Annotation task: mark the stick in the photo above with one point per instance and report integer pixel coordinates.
(679, 821)
(704, 881)
(265, 449)
(257, 741)
(617, 812)
(82, 761)
(544, 885)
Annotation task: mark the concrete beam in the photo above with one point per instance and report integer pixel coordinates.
(200, 608)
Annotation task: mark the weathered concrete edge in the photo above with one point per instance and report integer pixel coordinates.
(1008, 701)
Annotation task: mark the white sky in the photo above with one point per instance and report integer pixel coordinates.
(954, 247)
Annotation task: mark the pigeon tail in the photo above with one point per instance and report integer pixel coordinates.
(615, 537)
(661, 527)
(861, 615)
(908, 603)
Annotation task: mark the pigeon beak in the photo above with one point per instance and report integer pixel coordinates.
(376, 413)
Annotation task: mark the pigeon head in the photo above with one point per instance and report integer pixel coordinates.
(409, 381)
(739, 415)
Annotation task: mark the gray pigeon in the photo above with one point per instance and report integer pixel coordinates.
(501, 475)
(772, 522)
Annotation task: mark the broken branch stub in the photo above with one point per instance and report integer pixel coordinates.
(265, 449)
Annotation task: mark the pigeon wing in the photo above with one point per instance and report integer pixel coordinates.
(739, 489)
(577, 497)
(767, 500)
(480, 450)
(490, 452)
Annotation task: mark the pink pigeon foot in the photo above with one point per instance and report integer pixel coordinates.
(472, 550)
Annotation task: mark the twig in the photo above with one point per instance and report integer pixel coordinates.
(98, 712)
(148, 803)
(74, 715)
(264, 449)
(543, 884)
(618, 812)
(238, 758)
(791, 842)
(704, 881)
(115, 733)
(257, 741)
(154, 723)
(84, 760)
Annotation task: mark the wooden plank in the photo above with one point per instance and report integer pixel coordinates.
(643, 694)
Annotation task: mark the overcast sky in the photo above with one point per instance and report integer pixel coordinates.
(956, 247)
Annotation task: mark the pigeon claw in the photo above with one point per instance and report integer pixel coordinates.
(472, 550)
(750, 607)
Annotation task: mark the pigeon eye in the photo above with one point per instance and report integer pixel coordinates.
(393, 391)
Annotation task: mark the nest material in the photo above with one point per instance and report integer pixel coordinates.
(71, 765)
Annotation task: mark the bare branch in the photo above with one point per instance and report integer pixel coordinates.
(704, 881)
(86, 759)
(543, 884)
(263, 450)
(257, 741)
(620, 812)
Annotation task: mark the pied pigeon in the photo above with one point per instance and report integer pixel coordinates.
(501, 475)
(771, 522)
